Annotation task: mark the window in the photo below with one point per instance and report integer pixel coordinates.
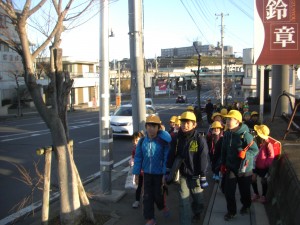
(91, 68)
(4, 47)
(3, 21)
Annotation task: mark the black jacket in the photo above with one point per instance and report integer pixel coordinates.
(192, 147)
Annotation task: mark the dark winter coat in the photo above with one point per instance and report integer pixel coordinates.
(192, 147)
(233, 143)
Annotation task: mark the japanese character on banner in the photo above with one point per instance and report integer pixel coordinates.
(284, 35)
(276, 8)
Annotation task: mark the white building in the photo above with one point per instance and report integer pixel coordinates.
(11, 67)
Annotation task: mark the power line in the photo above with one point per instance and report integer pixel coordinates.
(241, 9)
(194, 21)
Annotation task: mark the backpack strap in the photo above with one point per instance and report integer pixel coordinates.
(243, 140)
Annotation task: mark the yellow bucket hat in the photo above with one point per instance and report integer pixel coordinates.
(262, 131)
(234, 114)
(216, 124)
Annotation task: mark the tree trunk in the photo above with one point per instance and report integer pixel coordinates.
(86, 207)
(70, 212)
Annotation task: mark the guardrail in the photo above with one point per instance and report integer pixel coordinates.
(294, 109)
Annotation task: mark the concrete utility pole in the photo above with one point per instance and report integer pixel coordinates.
(106, 140)
(261, 93)
(137, 64)
(280, 83)
(222, 56)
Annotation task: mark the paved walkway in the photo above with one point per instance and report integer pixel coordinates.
(215, 204)
(217, 209)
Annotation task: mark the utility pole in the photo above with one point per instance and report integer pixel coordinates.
(197, 74)
(118, 96)
(136, 37)
(222, 56)
(106, 140)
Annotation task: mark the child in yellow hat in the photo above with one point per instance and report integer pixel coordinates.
(263, 162)
(214, 143)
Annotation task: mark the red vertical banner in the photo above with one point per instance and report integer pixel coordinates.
(276, 32)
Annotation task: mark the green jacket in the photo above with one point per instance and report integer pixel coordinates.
(233, 143)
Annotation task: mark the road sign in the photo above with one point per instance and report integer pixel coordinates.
(276, 32)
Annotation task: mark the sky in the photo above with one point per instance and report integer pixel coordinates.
(167, 24)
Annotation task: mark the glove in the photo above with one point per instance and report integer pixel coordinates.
(168, 177)
(131, 162)
(223, 169)
(242, 154)
(203, 182)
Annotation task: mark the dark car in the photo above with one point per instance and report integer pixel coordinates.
(181, 99)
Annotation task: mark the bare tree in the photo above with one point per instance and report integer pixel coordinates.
(72, 194)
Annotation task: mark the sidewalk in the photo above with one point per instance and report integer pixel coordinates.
(217, 209)
(122, 213)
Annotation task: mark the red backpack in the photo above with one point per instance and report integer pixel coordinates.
(276, 146)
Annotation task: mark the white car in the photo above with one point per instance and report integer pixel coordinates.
(121, 121)
(149, 101)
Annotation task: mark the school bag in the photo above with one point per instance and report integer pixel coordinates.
(276, 146)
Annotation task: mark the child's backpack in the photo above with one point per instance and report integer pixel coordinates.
(276, 146)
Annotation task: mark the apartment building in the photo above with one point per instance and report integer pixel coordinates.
(11, 67)
(207, 50)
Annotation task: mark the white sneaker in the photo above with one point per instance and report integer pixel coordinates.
(136, 204)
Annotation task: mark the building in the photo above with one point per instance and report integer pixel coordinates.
(11, 67)
(208, 50)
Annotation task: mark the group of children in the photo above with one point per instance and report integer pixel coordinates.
(153, 158)
(229, 147)
(240, 150)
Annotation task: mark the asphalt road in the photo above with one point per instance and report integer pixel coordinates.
(19, 139)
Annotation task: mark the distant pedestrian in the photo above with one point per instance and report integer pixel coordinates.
(190, 108)
(238, 152)
(172, 123)
(245, 107)
(209, 109)
(246, 118)
(191, 149)
(254, 120)
(151, 157)
(263, 162)
(135, 138)
(176, 127)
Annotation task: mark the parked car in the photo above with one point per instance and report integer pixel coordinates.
(202, 105)
(181, 99)
(121, 120)
(149, 101)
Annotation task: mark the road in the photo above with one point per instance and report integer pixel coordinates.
(19, 139)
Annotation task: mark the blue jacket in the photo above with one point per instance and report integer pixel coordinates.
(151, 154)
